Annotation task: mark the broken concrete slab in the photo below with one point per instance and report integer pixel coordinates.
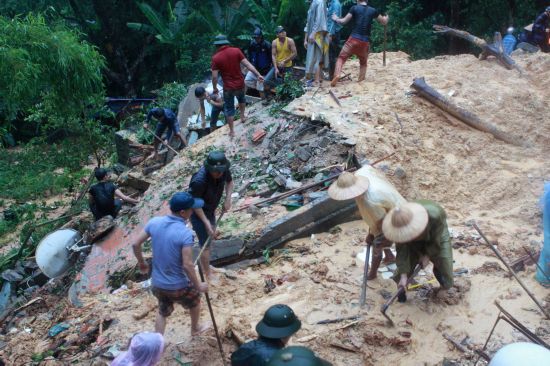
(99, 229)
(303, 153)
(133, 180)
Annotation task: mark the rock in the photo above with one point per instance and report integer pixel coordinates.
(11, 276)
(292, 184)
(5, 296)
(134, 181)
(303, 154)
(100, 228)
(122, 144)
(400, 172)
(280, 180)
(324, 142)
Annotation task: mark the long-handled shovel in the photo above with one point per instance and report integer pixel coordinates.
(363, 298)
(206, 244)
(399, 292)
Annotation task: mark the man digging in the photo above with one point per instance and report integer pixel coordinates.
(419, 230)
(374, 197)
(173, 278)
(208, 184)
(166, 120)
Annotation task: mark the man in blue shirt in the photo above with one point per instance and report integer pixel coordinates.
(509, 41)
(259, 54)
(173, 278)
(166, 120)
(333, 29)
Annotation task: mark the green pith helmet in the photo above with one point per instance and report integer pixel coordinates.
(296, 356)
(216, 162)
(279, 321)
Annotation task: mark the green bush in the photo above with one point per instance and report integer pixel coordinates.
(289, 90)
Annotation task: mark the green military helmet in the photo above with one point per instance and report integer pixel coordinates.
(279, 321)
(216, 162)
(296, 356)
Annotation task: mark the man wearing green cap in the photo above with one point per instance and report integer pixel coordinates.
(209, 184)
(297, 356)
(226, 63)
(275, 329)
(173, 278)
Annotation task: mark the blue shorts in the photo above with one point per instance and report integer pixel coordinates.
(200, 229)
(229, 101)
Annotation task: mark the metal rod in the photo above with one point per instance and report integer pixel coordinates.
(385, 307)
(211, 311)
(385, 38)
(495, 250)
(363, 298)
(335, 98)
(162, 141)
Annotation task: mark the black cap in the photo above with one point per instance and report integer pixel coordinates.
(216, 162)
(257, 33)
(279, 29)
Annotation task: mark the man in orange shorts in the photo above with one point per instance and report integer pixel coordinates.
(358, 42)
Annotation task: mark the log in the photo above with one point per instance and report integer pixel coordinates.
(487, 49)
(464, 115)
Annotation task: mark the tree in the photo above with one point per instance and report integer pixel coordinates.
(45, 67)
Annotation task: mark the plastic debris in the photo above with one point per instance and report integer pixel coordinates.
(58, 328)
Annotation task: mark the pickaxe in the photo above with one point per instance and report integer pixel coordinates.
(399, 292)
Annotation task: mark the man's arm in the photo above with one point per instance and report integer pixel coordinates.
(136, 247)
(293, 50)
(274, 56)
(189, 268)
(228, 193)
(343, 20)
(124, 197)
(251, 67)
(215, 81)
(216, 103)
(90, 199)
(383, 19)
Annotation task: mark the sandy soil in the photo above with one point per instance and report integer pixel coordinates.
(474, 176)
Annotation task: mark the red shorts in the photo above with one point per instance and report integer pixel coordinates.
(354, 46)
(187, 297)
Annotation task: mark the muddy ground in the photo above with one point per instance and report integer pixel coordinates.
(473, 175)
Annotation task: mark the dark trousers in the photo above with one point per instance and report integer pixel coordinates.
(98, 213)
(333, 52)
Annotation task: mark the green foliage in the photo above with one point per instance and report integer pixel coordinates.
(40, 170)
(170, 95)
(45, 65)
(289, 90)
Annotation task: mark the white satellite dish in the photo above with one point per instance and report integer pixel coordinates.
(53, 254)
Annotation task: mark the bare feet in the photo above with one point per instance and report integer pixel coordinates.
(372, 275)
(334, 81)
(202, 328)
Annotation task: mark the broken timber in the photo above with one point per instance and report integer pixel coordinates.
(433, 96)
(487, 49)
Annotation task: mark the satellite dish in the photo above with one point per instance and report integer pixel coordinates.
(521, 354)
(52, 253)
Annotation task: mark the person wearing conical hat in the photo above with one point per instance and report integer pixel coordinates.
(375, 197)
(419, 230)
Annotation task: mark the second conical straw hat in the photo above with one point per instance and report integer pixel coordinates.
(405, 223)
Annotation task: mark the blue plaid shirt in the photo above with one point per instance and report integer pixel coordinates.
(334, 8)
(508, 43)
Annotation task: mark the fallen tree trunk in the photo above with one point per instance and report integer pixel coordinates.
(487, 49)
(432, 95)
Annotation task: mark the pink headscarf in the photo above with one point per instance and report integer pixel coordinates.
(145, 350)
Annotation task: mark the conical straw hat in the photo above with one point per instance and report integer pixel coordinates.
(348, 186)
(405, 223)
